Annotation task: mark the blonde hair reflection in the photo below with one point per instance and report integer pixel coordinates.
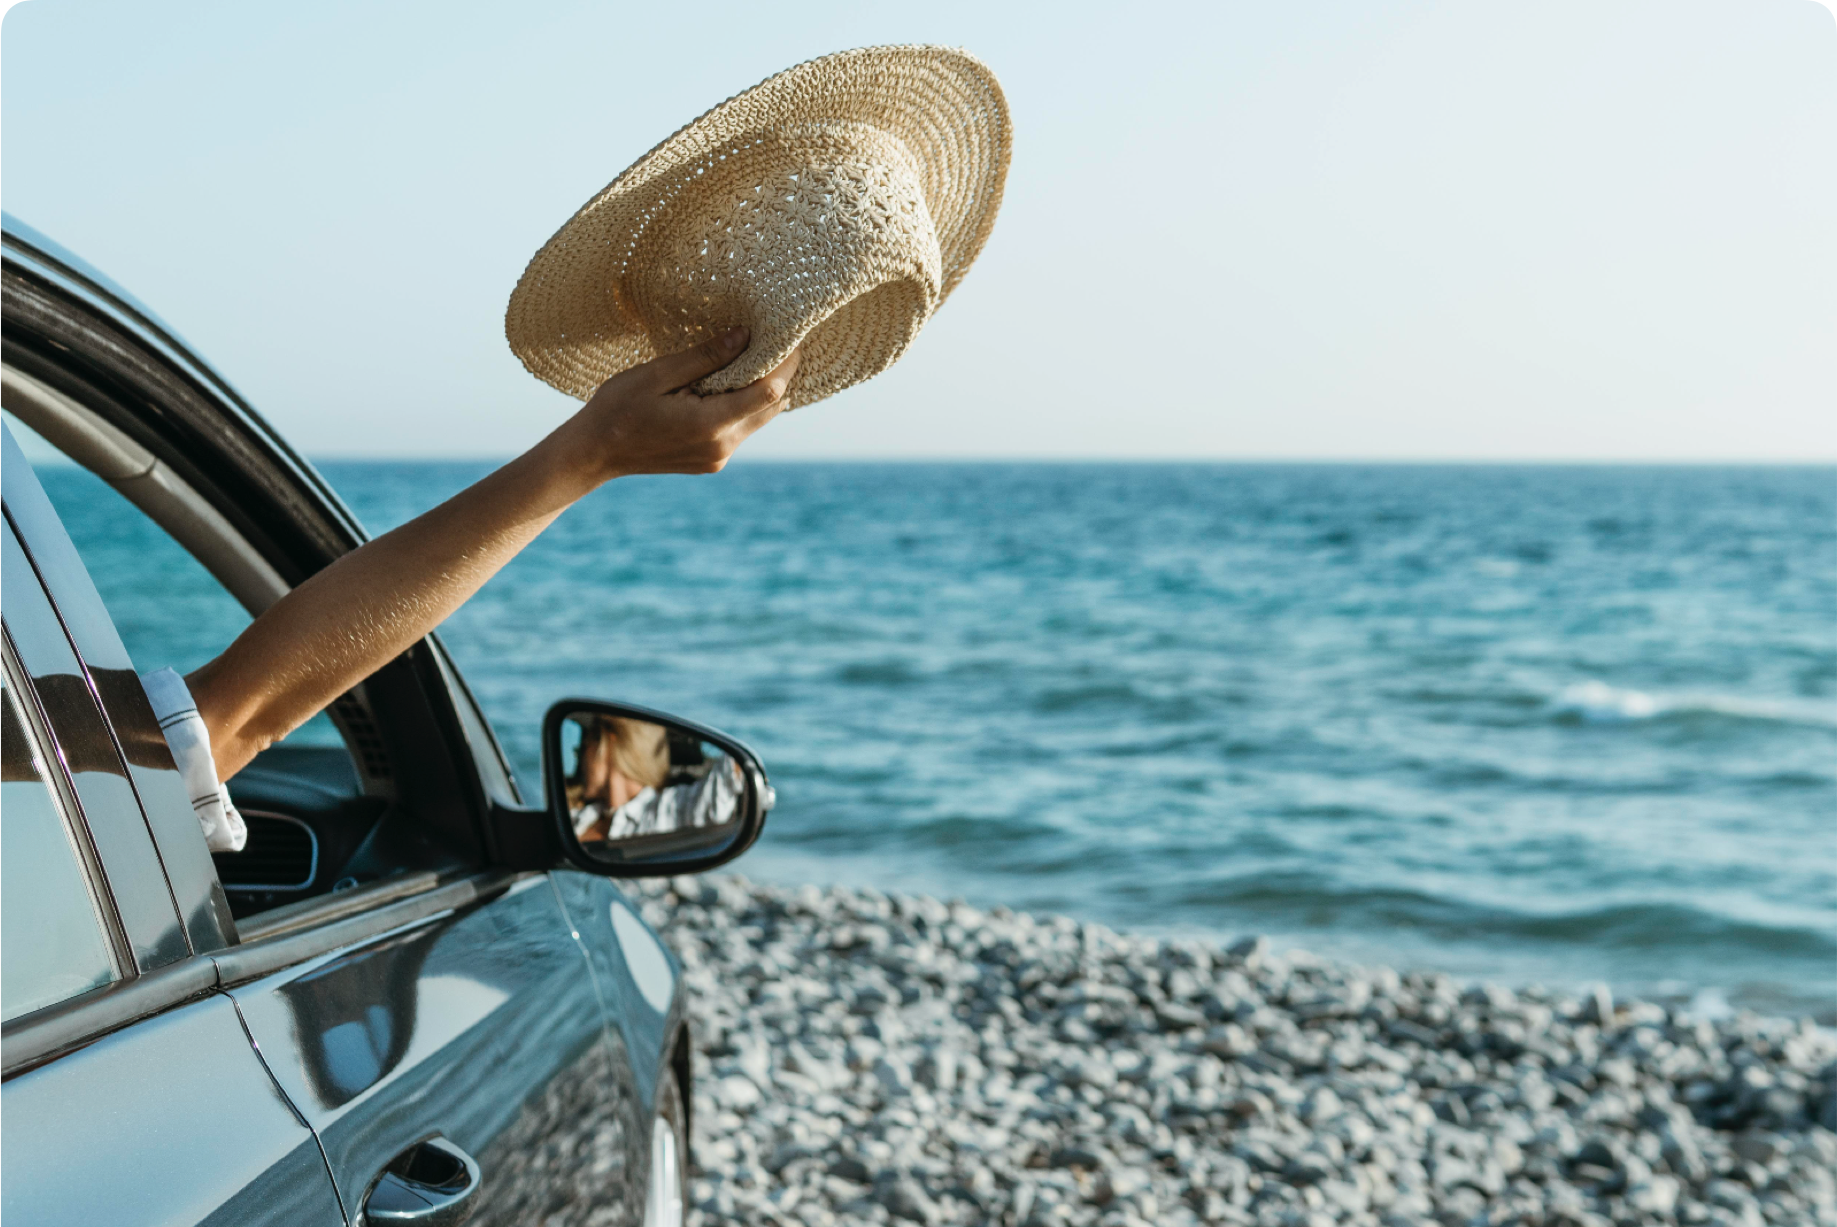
(618, 758)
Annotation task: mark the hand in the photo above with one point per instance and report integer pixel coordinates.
(646, 420)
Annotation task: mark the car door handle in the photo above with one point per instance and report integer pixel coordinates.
(431, 1184)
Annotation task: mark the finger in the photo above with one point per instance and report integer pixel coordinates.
(763, 393)
(744, 429)
(731, 434)
(674, 371)
(786, 370)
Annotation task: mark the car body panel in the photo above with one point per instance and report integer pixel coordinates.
(642, 1041)
(482, 1026)
(631, 981)
(173, 1122)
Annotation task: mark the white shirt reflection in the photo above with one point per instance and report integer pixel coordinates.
(711, 800)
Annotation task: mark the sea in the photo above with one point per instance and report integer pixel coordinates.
(1562, 725)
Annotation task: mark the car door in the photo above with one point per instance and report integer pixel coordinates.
(482, 1026)
(132, 1094)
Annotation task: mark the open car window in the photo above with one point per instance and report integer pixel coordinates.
(305, 799)
(168, 608)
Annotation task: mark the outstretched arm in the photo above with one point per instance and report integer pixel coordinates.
(369, 606)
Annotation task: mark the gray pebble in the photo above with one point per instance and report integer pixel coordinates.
(868, 1058)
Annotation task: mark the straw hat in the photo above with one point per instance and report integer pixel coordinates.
(834, 205)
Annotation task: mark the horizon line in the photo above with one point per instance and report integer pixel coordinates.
(1145, 461)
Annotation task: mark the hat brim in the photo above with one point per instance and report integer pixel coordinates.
(567, 322)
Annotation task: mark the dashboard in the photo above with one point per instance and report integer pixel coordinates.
(312, 829)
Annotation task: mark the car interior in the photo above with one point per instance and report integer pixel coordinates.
(329, 808)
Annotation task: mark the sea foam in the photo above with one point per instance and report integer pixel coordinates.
(1596, 702)
(1599, 703)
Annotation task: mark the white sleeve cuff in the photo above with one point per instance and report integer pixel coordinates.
(189, 739)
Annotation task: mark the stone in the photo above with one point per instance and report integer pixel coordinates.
(1759, 1147)
(889, 1059)
(906, 1199)
(1085, 1157)
(1178, 1016)
(1598, 1006)
(893, 1075)
(737, 1093)
(1309, 1167)
(848, 1167)
(1655, 1195)
(1228, 1040)
(937, 1069)
(1250, 951)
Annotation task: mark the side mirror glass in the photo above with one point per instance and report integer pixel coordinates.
(637, 792)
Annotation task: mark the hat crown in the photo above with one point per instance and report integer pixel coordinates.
(779, 231)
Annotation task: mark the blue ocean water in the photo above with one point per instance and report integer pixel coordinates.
(1554, 724)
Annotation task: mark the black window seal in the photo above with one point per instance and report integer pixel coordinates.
(324, 909)
(29, 253)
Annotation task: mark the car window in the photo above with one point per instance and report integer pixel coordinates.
(52, 945)
(169, 610)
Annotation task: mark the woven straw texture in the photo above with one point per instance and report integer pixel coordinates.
(835, 206)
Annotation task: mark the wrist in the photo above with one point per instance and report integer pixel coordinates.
(572, 464)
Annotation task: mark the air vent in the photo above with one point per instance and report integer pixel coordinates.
(353, 716)
(282, 854)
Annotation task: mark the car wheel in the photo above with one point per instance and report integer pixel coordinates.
(668, 1192)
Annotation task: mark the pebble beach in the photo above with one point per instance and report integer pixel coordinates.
(874, 1058)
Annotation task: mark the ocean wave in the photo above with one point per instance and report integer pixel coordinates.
(1596, 702)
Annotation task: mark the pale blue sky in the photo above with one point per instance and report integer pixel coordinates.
(1588, 230)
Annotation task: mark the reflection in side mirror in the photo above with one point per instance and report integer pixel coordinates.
(638, 792)
(628, 778)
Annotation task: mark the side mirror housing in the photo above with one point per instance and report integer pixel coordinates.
(638, 793)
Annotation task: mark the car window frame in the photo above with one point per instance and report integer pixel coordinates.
(36, 726)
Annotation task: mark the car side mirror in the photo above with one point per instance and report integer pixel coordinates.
(639, 793)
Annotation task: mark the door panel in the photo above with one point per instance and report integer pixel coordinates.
(483, 1027)
(639, 985)
(632, 1034)
(172, 1121)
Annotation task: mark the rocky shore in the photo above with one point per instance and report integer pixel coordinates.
(867, 1058)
